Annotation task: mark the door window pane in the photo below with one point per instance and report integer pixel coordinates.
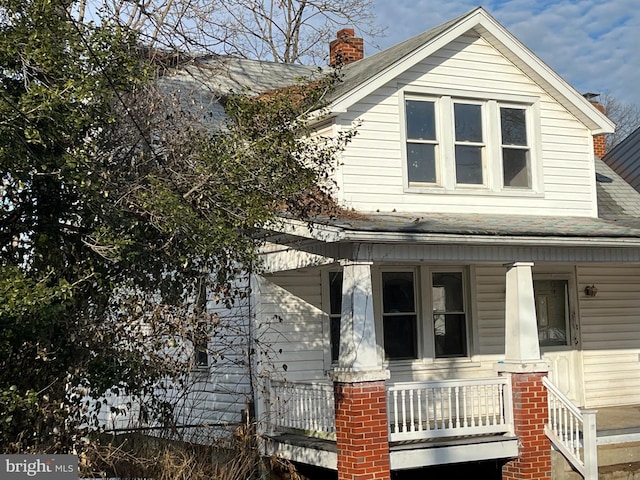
(335, 309)
(449, 317)
(399, 316)
(552, 311)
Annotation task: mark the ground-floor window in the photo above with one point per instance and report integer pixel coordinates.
(421, 311)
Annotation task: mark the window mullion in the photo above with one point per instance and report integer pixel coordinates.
(426, 314)
(447, 126)
(493, 157)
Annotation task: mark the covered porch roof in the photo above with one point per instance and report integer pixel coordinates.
(613, 236)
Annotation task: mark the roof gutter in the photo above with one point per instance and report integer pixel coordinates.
(335, 234)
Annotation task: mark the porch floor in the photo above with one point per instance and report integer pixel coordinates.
(403, 455)
(618, 424)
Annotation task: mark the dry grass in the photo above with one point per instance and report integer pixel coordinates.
(137, 456)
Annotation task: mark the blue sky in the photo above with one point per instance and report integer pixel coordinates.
(592, 44)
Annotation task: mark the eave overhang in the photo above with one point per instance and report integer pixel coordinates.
(606, 234)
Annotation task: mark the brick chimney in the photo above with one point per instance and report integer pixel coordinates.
(599, 141)
(346, 48)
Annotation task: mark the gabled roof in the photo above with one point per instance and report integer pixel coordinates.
(365, 76)
(200, 83)
(217, 75)
(617, 199)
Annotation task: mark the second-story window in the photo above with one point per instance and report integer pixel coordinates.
(422, 141)
(469, 143)
(516, 163)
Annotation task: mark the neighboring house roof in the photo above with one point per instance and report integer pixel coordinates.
(624, 158)
(200, 83)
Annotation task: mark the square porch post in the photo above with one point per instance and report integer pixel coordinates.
(362, 432)
(527, 369)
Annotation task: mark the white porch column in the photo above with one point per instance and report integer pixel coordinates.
(358, 346)
(527, 370)
(362, 438)
(521, 329)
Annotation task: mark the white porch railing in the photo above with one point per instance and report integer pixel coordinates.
(416, 410)
(449, 408)
(573, 432)
(306, 408)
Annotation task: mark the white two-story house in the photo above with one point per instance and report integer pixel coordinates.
(485, 246)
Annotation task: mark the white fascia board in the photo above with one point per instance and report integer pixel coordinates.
(472, 452)
(310, 230)
(459, 239)
(600, 124)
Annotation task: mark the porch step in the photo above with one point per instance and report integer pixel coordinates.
(618, 458)
(618, 454)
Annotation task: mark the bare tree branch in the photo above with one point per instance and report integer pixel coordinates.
(286, 31)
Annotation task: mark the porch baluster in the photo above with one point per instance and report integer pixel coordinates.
(412, 411)
(419, 401)
(465, 413)
(395, 411)
(426, 408)
(450, 408)
(457, 394)
(403, 398)
(486, 405)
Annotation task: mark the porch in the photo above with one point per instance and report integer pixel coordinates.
(429, 423)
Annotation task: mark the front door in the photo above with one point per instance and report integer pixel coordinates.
(555, 298)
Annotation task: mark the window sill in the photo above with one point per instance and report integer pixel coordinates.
(437, 190)
(432, 363)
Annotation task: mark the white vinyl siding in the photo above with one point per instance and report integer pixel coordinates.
(218, 394)
(372, 175)
(291, 326)
(611, 334)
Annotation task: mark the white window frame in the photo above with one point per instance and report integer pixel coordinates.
(440, 174)
(493, 182)
(455, 142)
(419, 309)
(425, 328)
(528, 110)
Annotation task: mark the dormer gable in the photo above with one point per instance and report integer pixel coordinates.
(365, 76)
(465, 119)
